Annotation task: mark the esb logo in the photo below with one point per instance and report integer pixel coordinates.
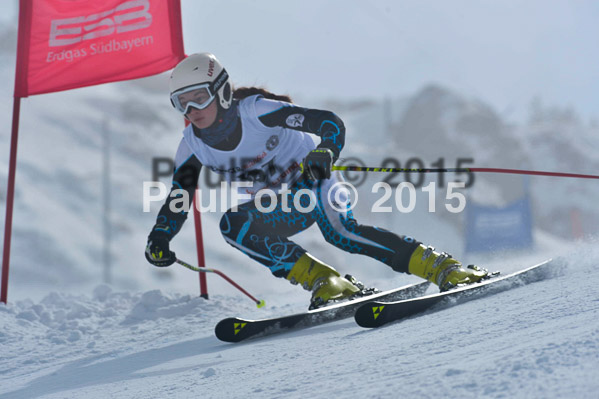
(74, 30)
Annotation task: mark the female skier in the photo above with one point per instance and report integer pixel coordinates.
(251, 135)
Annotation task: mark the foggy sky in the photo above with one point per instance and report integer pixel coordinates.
(503, 52)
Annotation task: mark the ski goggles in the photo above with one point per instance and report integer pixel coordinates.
(198, 96)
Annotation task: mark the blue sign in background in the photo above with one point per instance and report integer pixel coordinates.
(490, 228)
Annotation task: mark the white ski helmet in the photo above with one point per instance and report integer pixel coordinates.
(197, 80)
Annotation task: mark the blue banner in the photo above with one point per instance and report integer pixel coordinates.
(491, 228)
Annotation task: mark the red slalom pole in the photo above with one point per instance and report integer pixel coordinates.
(463, 170)
(200, 245)
(10, 197)
(533, 172)
(259, 302)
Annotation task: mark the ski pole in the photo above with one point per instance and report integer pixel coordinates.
(463, 170)
(259, 303)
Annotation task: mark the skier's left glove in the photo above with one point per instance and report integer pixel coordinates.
(158, 252)
(318, 164)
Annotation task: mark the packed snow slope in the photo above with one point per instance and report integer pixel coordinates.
(539, 340)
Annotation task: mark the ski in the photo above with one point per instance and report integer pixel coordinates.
(380, 312)
(235, 329)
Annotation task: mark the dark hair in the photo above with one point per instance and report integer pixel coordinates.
(242, 92)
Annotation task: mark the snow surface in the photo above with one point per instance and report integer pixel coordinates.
(539, 340)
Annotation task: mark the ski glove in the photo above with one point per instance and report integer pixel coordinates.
(318, 164)
(158, 252)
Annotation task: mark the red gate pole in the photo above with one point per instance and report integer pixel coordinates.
(197, 217)
(10, 197)
(200, 244)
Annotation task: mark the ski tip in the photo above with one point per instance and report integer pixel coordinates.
(371, 314)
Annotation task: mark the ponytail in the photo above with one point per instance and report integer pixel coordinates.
(243, 92)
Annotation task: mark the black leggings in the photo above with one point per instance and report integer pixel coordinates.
(264, 236)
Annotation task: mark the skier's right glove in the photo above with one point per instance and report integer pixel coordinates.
(318, 164)
(158, 252)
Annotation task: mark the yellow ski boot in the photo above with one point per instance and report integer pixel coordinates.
(441, 269)
(325, 282)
